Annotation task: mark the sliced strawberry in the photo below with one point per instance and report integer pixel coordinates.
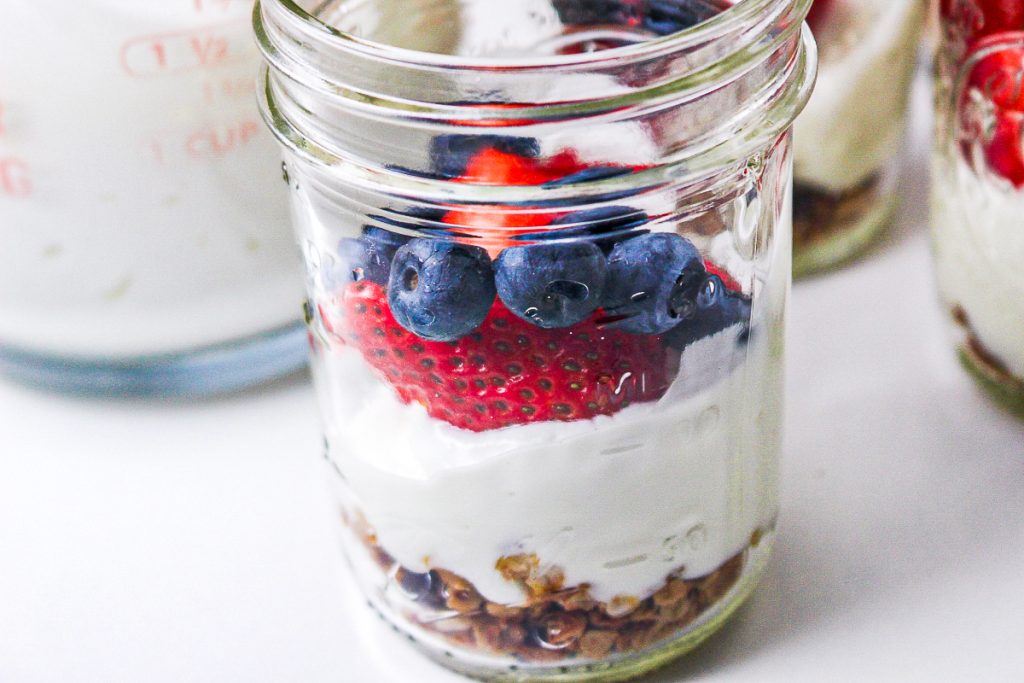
(491, 166)
(508, 372)
(496, 227)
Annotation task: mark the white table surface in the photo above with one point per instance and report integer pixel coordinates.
(175, 543)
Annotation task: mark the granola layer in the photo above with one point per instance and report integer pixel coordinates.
(554, 622)
(820, 216)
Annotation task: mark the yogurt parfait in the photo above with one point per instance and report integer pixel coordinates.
(849, 137)
(979, 189)
(547, 303)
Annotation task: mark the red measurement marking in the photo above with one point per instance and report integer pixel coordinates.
(197, 50)
(229, 89)
(218, 141)
(14, 178)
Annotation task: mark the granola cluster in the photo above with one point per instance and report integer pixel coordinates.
(554, 622)
(818, 215)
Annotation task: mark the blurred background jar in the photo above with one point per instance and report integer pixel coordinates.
(978, 195)
(144, 238)
(848, 140)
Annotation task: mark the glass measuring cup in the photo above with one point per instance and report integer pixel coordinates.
(144, 243)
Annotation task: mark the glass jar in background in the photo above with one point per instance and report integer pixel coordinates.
(144, 237)
(978, 188)
(848, 139)
(548, 249)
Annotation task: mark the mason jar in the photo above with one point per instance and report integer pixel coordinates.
(849, 138)
(548, 252)
(144, 237)
(978, 189)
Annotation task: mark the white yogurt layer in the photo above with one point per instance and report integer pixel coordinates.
(617, 502)
(979, 249)
(854, 122)
(142, 209)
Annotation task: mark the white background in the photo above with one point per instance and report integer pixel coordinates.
(165, 542)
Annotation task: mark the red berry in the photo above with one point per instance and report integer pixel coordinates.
(996, 120)
(818, 14)
(975, 19)
(496, 227)
(1001, 15)
(1005, 151)
(1000, 74)
(508, 372)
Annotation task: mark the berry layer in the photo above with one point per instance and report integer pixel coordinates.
(617, 502)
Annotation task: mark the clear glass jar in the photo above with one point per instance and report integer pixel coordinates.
(548, 257)
(848, 139)
(978, 189)
(144, 237)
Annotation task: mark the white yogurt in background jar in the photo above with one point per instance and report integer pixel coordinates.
(142, 212)
(847, 141)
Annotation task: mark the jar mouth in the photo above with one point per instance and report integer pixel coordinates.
(715, 27)
(696, 99)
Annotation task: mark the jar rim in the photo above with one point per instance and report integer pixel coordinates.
(716, 27)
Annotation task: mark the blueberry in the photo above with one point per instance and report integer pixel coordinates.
(450, 154)
(660, 17)
(652, 283)
(551, 285)
(670, 16)
(603, 226)
(582, 12)
(607, 222)
(368, 257)
(440, 290)
(716, 308)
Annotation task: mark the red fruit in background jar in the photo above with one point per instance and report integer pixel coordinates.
(819, 13)
(1000, 75)
(507, 372)
(1001, 15)
(1005, 152)
(976, 19)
